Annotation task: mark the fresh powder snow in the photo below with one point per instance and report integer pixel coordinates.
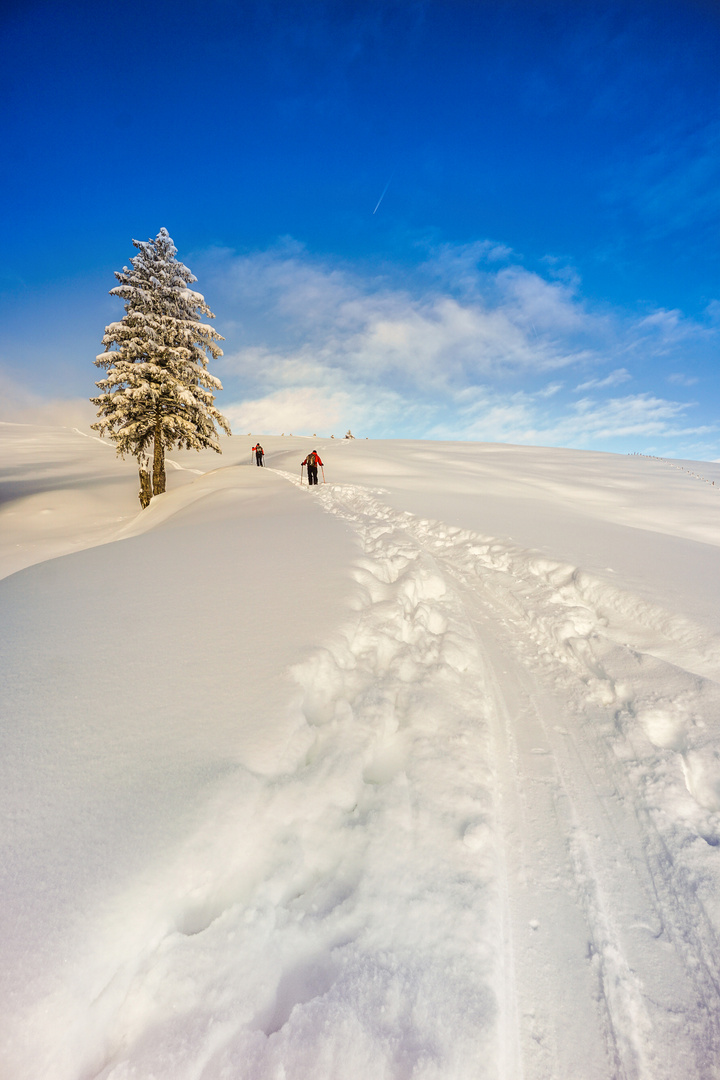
(414, 775)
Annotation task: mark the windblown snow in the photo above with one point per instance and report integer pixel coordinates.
(414, 775)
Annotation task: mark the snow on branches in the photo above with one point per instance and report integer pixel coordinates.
(157, 392)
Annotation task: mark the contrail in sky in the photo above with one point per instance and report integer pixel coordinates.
(384, 190)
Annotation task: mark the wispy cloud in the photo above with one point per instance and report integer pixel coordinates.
(469, 344)
(615, 378)
(489, 324)
(505, 322)
(679, 378)
(522, 418)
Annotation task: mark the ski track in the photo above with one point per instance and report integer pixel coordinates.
(631, 728)
(548, 776)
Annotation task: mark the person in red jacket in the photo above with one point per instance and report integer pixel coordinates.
(259, 454)
(312, 461)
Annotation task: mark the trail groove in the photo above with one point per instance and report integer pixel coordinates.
(609, 944)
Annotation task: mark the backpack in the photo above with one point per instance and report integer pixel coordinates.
(312, 458)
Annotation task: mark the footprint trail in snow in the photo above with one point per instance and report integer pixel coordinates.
(485, 854)
(499, 689)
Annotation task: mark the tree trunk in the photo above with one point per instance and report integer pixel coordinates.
(145, 488)
(158, 459)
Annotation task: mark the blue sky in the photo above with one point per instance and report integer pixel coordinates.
(544, 264)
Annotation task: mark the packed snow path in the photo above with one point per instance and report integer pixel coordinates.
(475, 834)
(550, 786)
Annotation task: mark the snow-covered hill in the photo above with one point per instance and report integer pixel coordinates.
(412, 775)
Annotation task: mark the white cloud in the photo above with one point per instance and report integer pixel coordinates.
(322, 409)
(615, 378)
(456, 266)
(296, 315)
(300, 409)
(550, 390)
(522, 418)
(664, 331)
(668, 321)
(680, 379)
(469, 344)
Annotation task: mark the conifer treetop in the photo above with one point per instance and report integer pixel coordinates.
(156, 358)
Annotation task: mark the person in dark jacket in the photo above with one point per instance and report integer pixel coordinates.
(259, 454)
(312, 461)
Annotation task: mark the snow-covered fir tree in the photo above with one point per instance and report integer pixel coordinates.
(157, 392)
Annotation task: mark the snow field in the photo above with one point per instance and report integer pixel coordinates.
(384, 795)
(343, 960)
(142, 680)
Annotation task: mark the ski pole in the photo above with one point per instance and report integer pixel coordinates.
(301, 474)
(323, 472)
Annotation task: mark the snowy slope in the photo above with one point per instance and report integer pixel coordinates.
(414, 775)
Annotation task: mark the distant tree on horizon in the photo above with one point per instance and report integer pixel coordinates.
(158, 392)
